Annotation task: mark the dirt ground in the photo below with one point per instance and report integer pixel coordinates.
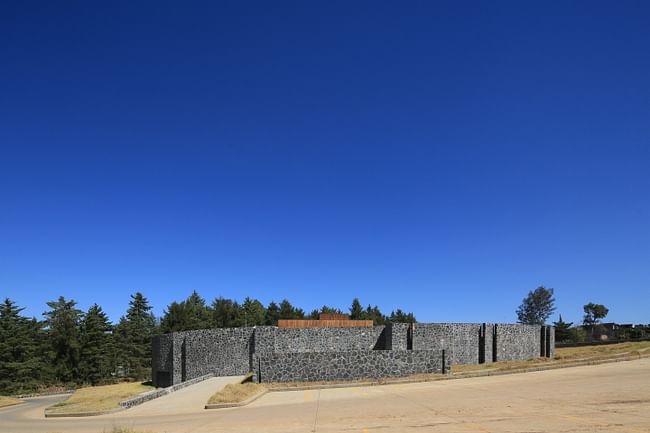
(611, 397)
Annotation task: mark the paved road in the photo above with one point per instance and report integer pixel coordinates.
(605, 398)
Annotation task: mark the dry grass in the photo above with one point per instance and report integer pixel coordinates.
(8, 401)
(563, 355)
(99, 398)
(237, 392)
(572, 353)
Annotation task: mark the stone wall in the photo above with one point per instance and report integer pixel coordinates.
(488, 342)
(298, 340)
(517, 342)
(183, 356)
(397, 336)
(162, 358)
(459, 340)
(224, 352)
(465, 343)
(348, 365)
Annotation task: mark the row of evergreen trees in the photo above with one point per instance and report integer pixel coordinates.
(70, 347)
(194, 313)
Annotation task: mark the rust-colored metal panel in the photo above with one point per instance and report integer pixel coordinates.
(334, 316)
(323, 323)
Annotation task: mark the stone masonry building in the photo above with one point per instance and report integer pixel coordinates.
(276, 354)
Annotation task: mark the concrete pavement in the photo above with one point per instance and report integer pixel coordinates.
(604, 398)
(187, 400)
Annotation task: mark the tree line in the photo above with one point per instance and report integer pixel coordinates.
(539, 304)
(70, 347)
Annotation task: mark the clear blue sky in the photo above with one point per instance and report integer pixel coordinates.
(444, 158)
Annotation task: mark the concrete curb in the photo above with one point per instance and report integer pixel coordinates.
(463, 375)
(238, 404)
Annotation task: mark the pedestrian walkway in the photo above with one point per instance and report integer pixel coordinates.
(187, 400)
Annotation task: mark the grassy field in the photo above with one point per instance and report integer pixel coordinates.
(99, 398)
(564, 355)
(9, 401)
(572, 353)
(234, 393)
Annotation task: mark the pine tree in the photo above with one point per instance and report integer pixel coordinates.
(288, 311)
(398, 316)
(23, 364)
(272, 314)
(97, 346)
(254, 312)
(537, 307)
(174, 318)
(329, 310)
(188, 315)
(133, 334)
(63, 329)
(197, 311)
(226, 313)
(374, 314)
(356, 310)
(562, 330)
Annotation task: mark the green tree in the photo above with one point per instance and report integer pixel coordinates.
(374, 314)
(198, 311)
(288, 311)
(188, 315)
(254, 312)
(577, 335)
(399, 316)
(226, 313)
(594, 313)
(23, 357)
(64, 334)
(330, 310)
(537, 307)
(562, 330)
(356, 310)
(134, 332)
(97, 348)
(272, 314)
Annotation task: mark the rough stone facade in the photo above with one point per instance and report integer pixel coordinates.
(517, 342)
(459, 340)
(379, 350)
(162, 361)
(289, 340)
(397, 336)
(183, 356)
(487, 343)
(348, 365)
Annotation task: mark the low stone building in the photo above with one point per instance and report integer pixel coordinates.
(276, 354)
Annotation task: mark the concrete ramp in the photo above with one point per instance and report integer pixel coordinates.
(191, 399)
